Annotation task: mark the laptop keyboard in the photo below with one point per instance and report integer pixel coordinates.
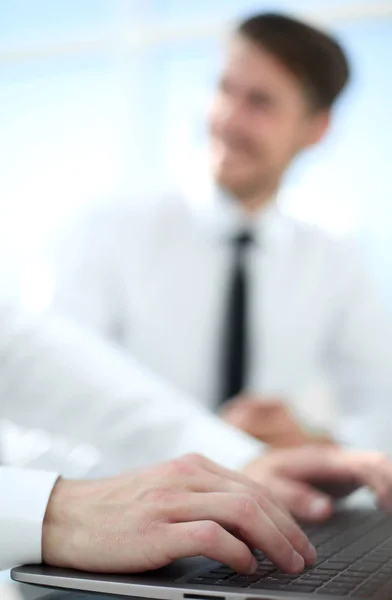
(354, 559)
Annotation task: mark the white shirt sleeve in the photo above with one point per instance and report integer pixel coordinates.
(69, 382)
(24, 495)
(360, 359)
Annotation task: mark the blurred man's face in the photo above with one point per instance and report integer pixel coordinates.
(260, 119)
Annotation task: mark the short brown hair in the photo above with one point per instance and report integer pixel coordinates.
(314, 57)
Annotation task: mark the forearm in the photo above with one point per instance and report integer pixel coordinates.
(69, 382)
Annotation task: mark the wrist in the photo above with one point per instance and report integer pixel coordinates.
(61, 523)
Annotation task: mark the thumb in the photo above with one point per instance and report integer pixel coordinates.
(303, 501)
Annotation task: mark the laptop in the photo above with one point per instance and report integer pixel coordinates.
(354, 561)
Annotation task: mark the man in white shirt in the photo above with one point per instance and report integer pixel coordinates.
(59, 379)
(188, 507)
(223, 296)
(64, 381)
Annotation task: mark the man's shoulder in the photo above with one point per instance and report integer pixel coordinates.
(317, 234)
(128, 216)
(320, 242)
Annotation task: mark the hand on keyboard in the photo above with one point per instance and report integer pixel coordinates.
(307, 480)
(187, 507)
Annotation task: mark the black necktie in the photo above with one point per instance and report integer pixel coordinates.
(235, 337)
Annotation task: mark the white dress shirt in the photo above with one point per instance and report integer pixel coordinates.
(153, 276)
(88, 407)
(24, 496)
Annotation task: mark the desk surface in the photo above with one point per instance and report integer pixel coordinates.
(16, 591)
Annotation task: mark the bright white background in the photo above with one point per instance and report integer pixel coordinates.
(99, 97)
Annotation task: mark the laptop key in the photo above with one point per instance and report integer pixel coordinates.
(235, 584)
(343, 578)
(218, 582)
(324, 572)
(272, 581)
(210, 575)
(354, 571)
(283, 577)
(271, 585)
(244, 579)
(265, 569)
(223, 570)
(315, 577)
(331, 589)
(367, 567)
(305, 581)
(334, 567)
(302, 587)
(202, 581)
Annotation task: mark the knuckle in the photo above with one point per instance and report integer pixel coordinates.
(261, 498)
(246, 507)
(207, 533)
(148, 528)
(180, 467)
(194, 458)
(159, 495)
(263, 490)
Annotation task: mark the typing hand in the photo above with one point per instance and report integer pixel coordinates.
(307, 480)
(269, 421)
(187, 507)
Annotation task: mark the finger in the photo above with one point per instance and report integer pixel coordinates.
(291, 530)
(241, 513)
(208, 539)
(234, 476)
(299, 499)
(267, 502)
(281, 518)
(317, 464)
(304, 502)
(259, 416)
(238, 477)
(374, 470)
(216, 480)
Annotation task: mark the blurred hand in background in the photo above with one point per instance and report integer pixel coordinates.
(308, 480)
(271, 421)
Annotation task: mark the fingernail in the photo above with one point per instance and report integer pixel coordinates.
(297, 563)
(254, 566)
(311, 554)
(319, 507)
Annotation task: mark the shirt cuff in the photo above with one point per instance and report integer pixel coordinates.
(221, 442)
(24, 496)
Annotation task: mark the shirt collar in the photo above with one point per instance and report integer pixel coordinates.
(221, 217)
